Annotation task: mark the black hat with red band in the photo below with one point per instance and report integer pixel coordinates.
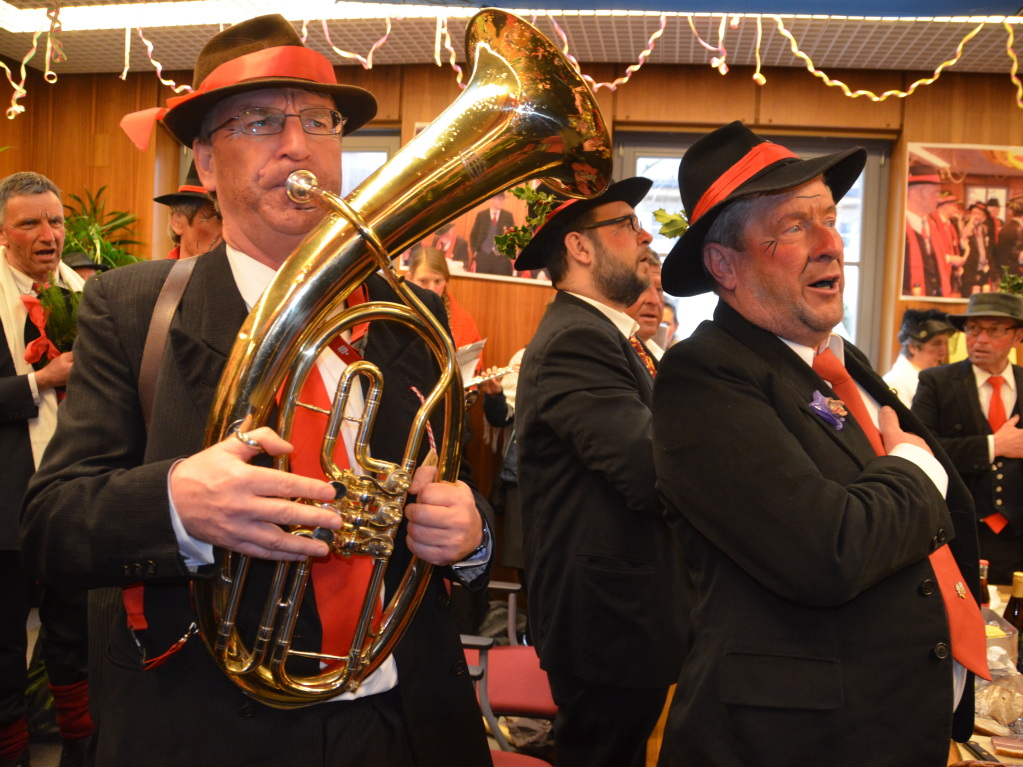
(734, 162)
(264, 52)
(192, 189)
(543, 243)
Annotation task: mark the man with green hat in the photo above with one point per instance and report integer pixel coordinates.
(146, 509)
(973, 408)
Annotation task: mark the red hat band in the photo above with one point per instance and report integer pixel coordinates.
(282, 61)
(754, 161)
(288, 61)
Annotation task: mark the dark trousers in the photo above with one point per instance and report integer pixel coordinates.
(601, 726)
(1004, 551)
(62, 635)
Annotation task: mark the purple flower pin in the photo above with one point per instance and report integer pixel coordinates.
(831, 410)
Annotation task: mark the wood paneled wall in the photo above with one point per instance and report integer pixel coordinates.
(70, 133)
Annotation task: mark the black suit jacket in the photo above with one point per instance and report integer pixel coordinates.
(97, 515)
(818, 623)
(947, 402)
(487, 260)
(16, 408)
(606, 579)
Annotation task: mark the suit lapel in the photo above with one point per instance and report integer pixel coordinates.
(206, 326)
(964, 389)
(801, 380)
(644, 380)
(1017, 373)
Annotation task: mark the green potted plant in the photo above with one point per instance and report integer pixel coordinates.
(104, 237)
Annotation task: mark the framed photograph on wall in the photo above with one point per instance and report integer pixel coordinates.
(468, 241)
(960, 228)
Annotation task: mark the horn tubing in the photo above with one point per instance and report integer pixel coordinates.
(525, 114)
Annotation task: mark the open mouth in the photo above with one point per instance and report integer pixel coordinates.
(827, 284)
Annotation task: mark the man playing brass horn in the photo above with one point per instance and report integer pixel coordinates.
(114, 505)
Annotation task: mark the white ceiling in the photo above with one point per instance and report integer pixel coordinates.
(916, 45)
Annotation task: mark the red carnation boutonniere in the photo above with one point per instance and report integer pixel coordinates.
(54, 312)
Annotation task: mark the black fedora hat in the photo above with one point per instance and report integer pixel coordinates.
(543, 243)
(1004, 305)
(921, 325)
(264, 52)
(733, 162)
(79, 260)
(192, 189)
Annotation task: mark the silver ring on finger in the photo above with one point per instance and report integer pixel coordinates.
(245, 439)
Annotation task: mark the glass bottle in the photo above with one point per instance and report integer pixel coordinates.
(985, 594)
(1014, 607)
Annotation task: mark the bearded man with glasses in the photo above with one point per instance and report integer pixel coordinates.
(973, 408)
(605, 577)
(117, 504)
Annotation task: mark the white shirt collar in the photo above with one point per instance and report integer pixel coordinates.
(250, 276)
(625, 324)
(981, 376)
(24, 282)
(806, 353)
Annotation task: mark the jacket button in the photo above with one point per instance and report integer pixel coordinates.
(998, 502)
(927, 587)
(443, 601)
(150, 567)
(459, 668)
(941, 650)
(998, 489)
(999, 476)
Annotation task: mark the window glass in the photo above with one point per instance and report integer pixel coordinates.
(363, 154)
(860, 222)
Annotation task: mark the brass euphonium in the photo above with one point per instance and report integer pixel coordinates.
(526, 113)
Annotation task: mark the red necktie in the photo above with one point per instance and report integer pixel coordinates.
(339, 582)
(966, 627)
(643, 355)
(996, 418)
(42, 346)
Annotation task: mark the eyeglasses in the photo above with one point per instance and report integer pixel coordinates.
(632, 220)
(994, 332)
(267, 121)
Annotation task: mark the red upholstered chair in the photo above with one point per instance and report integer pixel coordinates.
(509, 682)
(514, 759)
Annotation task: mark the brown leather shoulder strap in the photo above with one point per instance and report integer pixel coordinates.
(163, 312)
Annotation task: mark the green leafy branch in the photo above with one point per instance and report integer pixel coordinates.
(672, 224)
(514, 239)
(61, 307)
(1010, 283)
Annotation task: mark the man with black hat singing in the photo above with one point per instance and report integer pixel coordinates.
(608, 599)
(831, 617)
(973, 408)
(194, 222)
(117, 504)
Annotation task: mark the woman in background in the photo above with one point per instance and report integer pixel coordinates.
(428, 268)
